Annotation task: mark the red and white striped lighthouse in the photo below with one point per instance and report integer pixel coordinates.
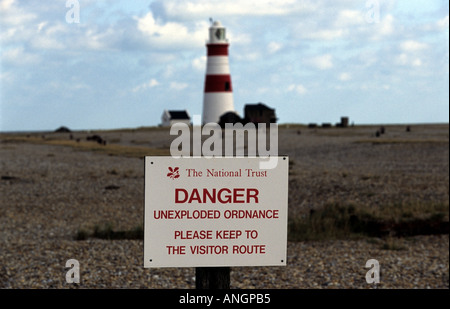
(218, 93)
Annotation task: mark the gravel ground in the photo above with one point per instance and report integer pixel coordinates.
(48, 193)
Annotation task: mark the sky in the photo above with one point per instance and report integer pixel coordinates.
(104, 64)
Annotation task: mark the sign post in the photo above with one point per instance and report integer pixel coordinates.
(215, 213)
(212, 278)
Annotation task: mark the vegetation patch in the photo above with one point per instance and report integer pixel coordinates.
(336, 221)
(382, 141)
(92, 146)
(106, 231)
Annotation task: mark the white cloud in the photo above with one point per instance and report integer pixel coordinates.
(299, 88)
(417, 62)
(273, 47)
(346, 18)
(408, 60)
(6, 77)
(199, 63)
(238, 38)
(182, 9)
(6, 4)
(411, 53)
(248, 56)
(168, 71)
(15, 23)
(150, 84)
(18, 56)
(171, 34)
(47, 42)
(344, 77)
(11, 15)
(337, 21)
(178, 86)
(384, 28)
(412, 46)
(100, 39)
(41, 25)
(322, 62)
(402, 59)
(324, 34)
(24, 23)
(443, 23)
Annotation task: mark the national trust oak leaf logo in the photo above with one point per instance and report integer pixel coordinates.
(173, 173)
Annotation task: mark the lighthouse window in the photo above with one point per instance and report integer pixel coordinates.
(227, 86)
(220, 34)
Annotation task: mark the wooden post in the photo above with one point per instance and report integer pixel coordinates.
(212, 278)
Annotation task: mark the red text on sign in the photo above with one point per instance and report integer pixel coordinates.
(228, 234)
(193, 234)
(223, 196)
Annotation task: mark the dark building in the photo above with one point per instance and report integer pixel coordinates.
(230, 117)
(343, 123)
(254, 113)
(259, 113)
(63, 129)
(169, 117)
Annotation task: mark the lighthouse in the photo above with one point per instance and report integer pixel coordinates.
(218, 92)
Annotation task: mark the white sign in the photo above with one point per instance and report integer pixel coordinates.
(222, 211)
